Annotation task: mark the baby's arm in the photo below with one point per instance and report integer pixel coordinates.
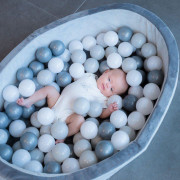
(107, 112)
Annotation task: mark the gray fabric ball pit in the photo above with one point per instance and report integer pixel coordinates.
(95, 21)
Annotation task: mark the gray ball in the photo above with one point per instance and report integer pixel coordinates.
(24, 73)
(6, 152)
(57, 47)
(139, 61)
(156, 77)
(4, 120)
(27, 112)
(129, 102)
(36, 67)
(66, 66)
(125, 33)
(63, 79)
(103, 66)
(52, 168)
(43, 54)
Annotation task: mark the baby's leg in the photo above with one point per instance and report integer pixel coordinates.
(48, 92)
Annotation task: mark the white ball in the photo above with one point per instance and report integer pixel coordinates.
(66, 56)
(48, 157)
(97, 52)
(129, 64)
(111, 38)
(154, 63)
(109, 50)
(78, 56)
(144, 105)
(115, 98)
(34, 166)
(130, 131)
(151, 91)
(76, 70)
(125, 49)
(75, 45)
(45, 116)
(34, 120)
(45, 77)
(136, 91)
(27, 87)
(148, 50)
(17, 128)
(138, 39)
(120, 140)
(118, 118)
(100, 40)
(55, 85)
(89, 130)
(114, 60)
(70, 165)
(88, 42)
(77, 137)
(56, 65)
(45, 129)
(46, 143)
(136, 120)
(134, 78)
(91, 65)
(10, 93)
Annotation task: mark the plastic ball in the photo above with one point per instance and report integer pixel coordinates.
(45, 116)
(71, 147)
(95, 109)
(114, 60)
(111, 38)
(139, 61)
(120, 140)
(55, 85)
(136, 120)
(6, 104)
(16, 146)
(88, 42)
(138, 39)
(34, 120)
(156, 77)
(37, 155)
(106, 130)
(16, 128)
(27, 112)
(118, 118)
(66, 56)
(45, 129)
(125, 49)
(55, 65)
(143, 76)
(21, 157)
(66, 67)
(93, 120)
(136, 91)
(57, 47)
(48, 158)
(89, 130)
(3, 136)
(75, 45)
(130, 131)
(70, 165)
(144, 105)
(125, 33)
(129, 64)
(4, 120)
(110, 50)
(103, 66)
(24, 73)
(95, 141)
(145, 66)
(46, 143)
(38, 86)
(34, 166)
(45, 77)
(52, 168)
(60, 152)
(78, 56)
(63, 79)
(91, 65)
(6, 152)
(148, 50)
(154, 63)
(81, 146)
(134, 78)
(129, 102)
(43, 54)
(27, 88)
(76, 70)
(59, 130)
(36, 66)
(33, 130)
(10, 93)
(151, 91)
(100, 40)
(77, 137)
(81, 106)
(104, 149)
(97, 52)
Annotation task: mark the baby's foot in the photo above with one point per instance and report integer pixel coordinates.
(23, 102)
(59, 141)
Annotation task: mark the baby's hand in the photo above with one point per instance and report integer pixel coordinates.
(113, 107)
(23, 102)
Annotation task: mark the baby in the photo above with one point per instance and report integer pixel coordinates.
(111, 82)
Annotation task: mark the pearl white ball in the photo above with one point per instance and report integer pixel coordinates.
(55, 85)
(100, 40)
(115, 98)
(136, 120)
(66, 56)
(76, 70)
(129, 64)
(45, 129)
(138, 39)
(10, 93)
(70, 165)
(125, 49)
(56, 65)
(45, 77)
(148, 50)
(134, 78)
(114, 60)
(88, 42)
(144, 105)
(77, 137)
(78, 56)
(111, 38)
(154, 63)
(97, 52)
(34, 120)
(48, 157)
(91, 65)
(130, 131)
(34, 166)
(136, 91)
(75, 45)
(109, 50)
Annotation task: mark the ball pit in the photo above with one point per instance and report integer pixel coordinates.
(170, 67)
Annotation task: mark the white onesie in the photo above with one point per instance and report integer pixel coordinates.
(85, 87)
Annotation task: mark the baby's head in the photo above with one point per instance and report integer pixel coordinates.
(112, 82)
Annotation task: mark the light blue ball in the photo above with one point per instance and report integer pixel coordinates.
(91, 65)
(6, 152)
(52, 168)
(139, 61)
(3, 136)
(104, 149)
(95, 109)
(156, 77)
(14, 111)
(66, 66)
(27, 112)
(37, 155)
(81, 106)
(57, 47)
(24, 73)
(36, 67)
(43, 54)
(4, 120)
(93, 120)
(28, 141)
(63, 79)
(103, 66)
(125, 33)
(38, 86)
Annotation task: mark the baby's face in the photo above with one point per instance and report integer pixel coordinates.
(112, 82)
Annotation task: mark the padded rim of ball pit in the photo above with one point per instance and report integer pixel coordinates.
(108, 167)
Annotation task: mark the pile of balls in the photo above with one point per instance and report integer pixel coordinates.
(27, 135)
